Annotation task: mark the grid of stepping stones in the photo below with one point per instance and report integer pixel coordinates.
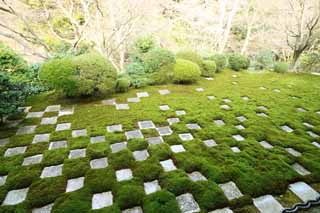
(125, 154)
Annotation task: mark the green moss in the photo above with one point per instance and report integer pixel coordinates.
(73, 168)
(176, 182)
(128, 196)
(121, 160)
(148, 170)
(78, 143)
(100, 180)
(137, 144)
(98, 150)
(160, 151)
(22, 177)
(161, 202)
(54, 157)
(45, 129)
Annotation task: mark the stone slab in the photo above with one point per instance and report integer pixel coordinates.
(263, 108)
(219, 122)
(151, 187)
(102, 200)
(197, 176)
(155, 140)
(15, 197)
(186, 136)
(15, 151)
(164, 130)
(224, 210)
(266, 145)
(168, 165)
(200, 89)
(286, 128)
(34, 114)
(57, 144)
(180, 112)
(134, 134)
(231, 190)
(304, 191)
(245, 98)
(109, 102)
(53, 108)
(235, 149)
(98, 139)
(79, 133)
(241, 118)
(52, 171)
(164, 107)
(44, 209)
(210, 143)
(49, 120)
(124, 174)
(146, 125)
(26, 130)
(3, 180)
(133, 100)
(267, 204)
(187, 203)
(226, 100)
(164, 92)
(142, 94)
(77, 153)
(293, 152)
(122, 106)
(240, 127)
(4, 141)
(300, 169)
(306, 124)
(75, 184)
(114, 128)
(140, 155)
(211, 97)
(117, 147)
(238, 137)
(63, 126)
(32, 160)
(300, 109)
(41, 138)
(100, 163)
(136, 209)
(262, 114)
(193, 126)
(66, 111)
(312, 134)
(225, 106)
(316, 144)
(173, 120)
(177, 148)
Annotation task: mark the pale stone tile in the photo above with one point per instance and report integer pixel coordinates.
(57, 144)
(35, 114)
(199, 89)
(124, 174)
(79, 133)
(100, 163)
(177, 148)
(49, 120)
(210, 143)
(266, 145)
(231, 190)
(267, 203)
(293, 152)
(187, 203)
(238, 137)
(134, 134)
(241, 118)
(224, 210)
(77, 153)
(180, 112)
(304, 191)
(26, 130)
(3, 180)
(15, 197)
(117, 147)
(136, 209)
(286, 128)
(146, 125)
(168, 165)
(44, 209)
(98, 139)
(102, 200)
(164, 107)
(41, 138)
(66, 111)
(186, 136)
(197, 176)
(235, 149)
(114, 128)
(193, 126)
(15, 151)
(133, 100)
(32, 160)
(173, 120)
(142, 94)
(75, 184)
(4, 141)
(52, 171)
(155, 140)
(219, 122)
(164, 131)
(300, 169)
(53, 108)
(164, 92)
(140, 155)
(122, 106)
(151, 187)
(63, 126)
(109, 102)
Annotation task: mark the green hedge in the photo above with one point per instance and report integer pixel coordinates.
(221, 61)
(209, 68)
(191, 56)
(185, 72)
(238, 62)
(281, 67)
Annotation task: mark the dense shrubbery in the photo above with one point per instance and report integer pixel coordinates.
(123, 83)
(238, 62)
(156, 58)
(263, 60)
(209, 68)
(310, 62)
(221, 61)
(11, 61)
(280, 67)
(191, 56)
(185, 72)
(144, 44)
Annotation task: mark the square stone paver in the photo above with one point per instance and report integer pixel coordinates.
(197, 176)
(66, 111)
(24, 109)
(180, 112)
(117, 147)
(225, 106)
(100, 163)
(168, 165)
(164, 107)
(136, 209)
(32, 160)
(122, 106)
(266, 145)
(276, 90)
(151, 187)
(241, 118)
(142, 94)
(52, 171)
(3, 180)
(193, 126)
(98, 139)
(15, 151)
(124, 174)
(186, 136)
(199, 89)
(41, 138)
(263, 88)
(312, 134)
(44, 209)
(77, 153)
(177, 148)
(235, 149)
(262, 114)
(53, 108)
(35, 114)
(4, 141)
(79, 133)
(306, 124)
(219, 122)
(224, 210)
(293, 152)
(300, 169)
(164, 92)
(114, 128)
(245, 98)
(240, 127)
(140, 155)
(226, 100)
(316, 144)
(300, 109)
(210, 143)
(267, 203)
(155, 140)
(231, 190)
(134, 134)
(15, 196)
(102, 200)
(187, 203)
(164, 131)
(133, 100)
(304, 191)
(63, 126)
(57, 144)
(211, 97)
(26, 130)
(49, 120)
(146, 125)
(109, 102)
(75, 184)
(173, 120)
(238, 137)
(286, 128)
(263, 108)
(209, 78)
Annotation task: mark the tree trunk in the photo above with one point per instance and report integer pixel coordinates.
(295, 58)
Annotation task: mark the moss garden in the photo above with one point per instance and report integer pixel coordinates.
(220, 143)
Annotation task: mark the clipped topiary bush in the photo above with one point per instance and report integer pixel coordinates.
(94, 74)
(281, 67)
(59, 74)
(137, 75)
(156, 58)
(163, 76)
(11, 61)
(221, 61)
(144, 44)
(123, 84)
(209, 68)
(238, 62)
(190, 56)
(185, 72)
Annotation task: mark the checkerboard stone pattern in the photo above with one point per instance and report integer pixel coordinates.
(286, 128)
(34, 114)
(231, 190)
(164, 107)
(49, 120)
(32, 160)
(180, 112)
(187, 203)
(140, 155)
(164, 131)
(77, 153)
(53, 108)
(265, 145)
(102, 200)
(235, 149)
(142, 94)
(3, 180)
(122, 106)
(219, 122)
(15, 197)
(300, 169)
(133, 100)
(98, 139)
(224, 210)
(146, 125)
(197, 176)
(238, 137)
(193, 126)
(109, 102)
(63, 126)
(4, 141)
(66, 111)
(173, 120)
(177, 148)
(164, 92)
(210, 143)
(293, 152)
(41, 138)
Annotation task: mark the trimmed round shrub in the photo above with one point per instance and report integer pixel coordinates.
(59, 74)
(209, 68)
(281, 67)
(238, 62)
(156, 58)
(221, 61)
(190, 56)
(94, 74)
(123, 84)
(185, 72)
(144, 44)
(163, 76)
(11, 61)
